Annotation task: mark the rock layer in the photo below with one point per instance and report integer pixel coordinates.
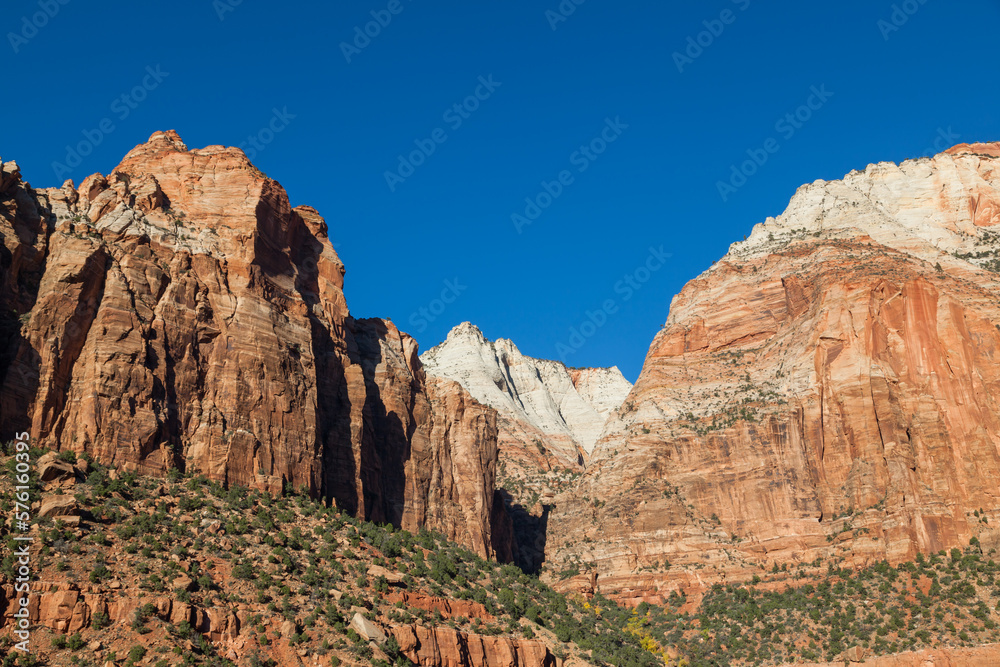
(447, 647)
(829, 389)
(972, 656)
(180, 313)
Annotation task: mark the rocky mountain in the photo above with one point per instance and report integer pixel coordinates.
(826, 393)
(178, 313)
(239, 472)
(549, 418)
(549, 414)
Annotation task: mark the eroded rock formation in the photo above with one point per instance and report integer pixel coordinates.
(549, 420)
(829, 389)
(550, 416)
(180, 313)
(444, 646)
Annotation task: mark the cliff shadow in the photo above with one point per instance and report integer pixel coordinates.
(386, 441)
(20, 277)
(530, 534)
(21, 370)
(337, 474)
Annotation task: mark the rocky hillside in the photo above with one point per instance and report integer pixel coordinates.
(179, 314)
(131, 570)
(829, 389)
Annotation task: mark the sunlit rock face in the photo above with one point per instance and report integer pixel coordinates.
(178, 312)
(830, 388)
(550, 415)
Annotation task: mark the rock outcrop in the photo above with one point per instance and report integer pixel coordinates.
(550, 415)
(180, 313)
(829, 389)
(70, 608)
(445, 476)
(444, 646)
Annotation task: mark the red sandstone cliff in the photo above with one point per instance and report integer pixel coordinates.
(829, 389)
(180, 313)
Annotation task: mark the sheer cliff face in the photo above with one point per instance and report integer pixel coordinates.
(830, 388)
(550, 416)
(180, 313)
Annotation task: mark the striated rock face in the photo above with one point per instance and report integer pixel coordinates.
(180, 313)
(830, 389)
(444, 479)
(549, 419)
(447, 647)
(537, 399)
(68, 608)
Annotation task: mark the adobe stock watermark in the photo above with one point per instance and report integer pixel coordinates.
(900, 16)
(625, 289)
(787, 127)
(945, 139)
(699, 43)
(363, 35)
(425, 315)
(581, 159)
(454, 116)
(121, 108)
(223, 7)
(22, 541)
(562, 12)
(255, 143)
(31, 25)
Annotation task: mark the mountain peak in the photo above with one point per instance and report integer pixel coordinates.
(466, 329)
(932, 208)
(542, 394)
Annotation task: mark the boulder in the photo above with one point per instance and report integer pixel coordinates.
(367, 629)
(58, 506)
(53, 469)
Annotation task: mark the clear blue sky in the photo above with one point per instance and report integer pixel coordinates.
(655, 185)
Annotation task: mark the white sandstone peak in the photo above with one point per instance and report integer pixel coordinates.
(931, 208)
(545, 394)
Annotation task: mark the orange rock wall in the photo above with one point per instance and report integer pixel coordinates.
(180, 313)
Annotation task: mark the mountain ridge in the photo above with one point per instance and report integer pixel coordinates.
(816, 421)
(824, 390)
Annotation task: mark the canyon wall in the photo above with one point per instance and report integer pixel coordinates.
(829, 389)
(179, 313)
(549, 419)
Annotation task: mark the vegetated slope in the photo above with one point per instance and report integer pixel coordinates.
(134, 570)
(139, 570)
(829, 389)
(180, 314)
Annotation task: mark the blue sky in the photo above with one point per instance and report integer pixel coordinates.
(588, 113)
